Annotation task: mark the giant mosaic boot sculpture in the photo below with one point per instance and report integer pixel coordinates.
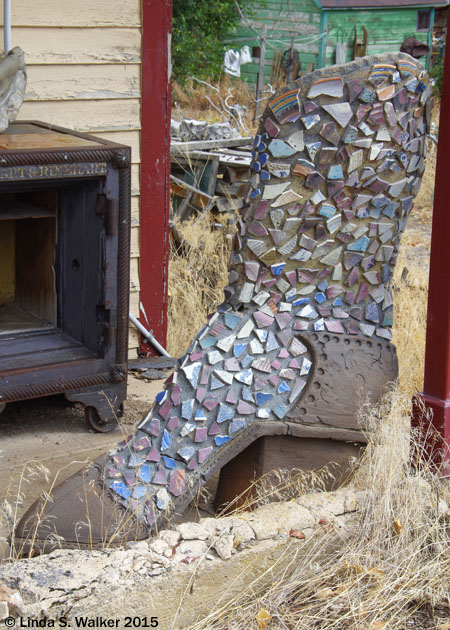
(304, 333)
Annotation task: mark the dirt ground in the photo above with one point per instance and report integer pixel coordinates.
(52, 433)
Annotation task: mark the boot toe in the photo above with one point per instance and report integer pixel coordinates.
(79, 513)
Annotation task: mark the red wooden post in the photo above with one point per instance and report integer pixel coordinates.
(155, 167)
(436, 394)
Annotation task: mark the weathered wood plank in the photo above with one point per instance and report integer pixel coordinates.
(67, 13)
(134, 241)
(134, 303)
(129, 138)
(135, 210)
(134, 275)
(92, 116)
(78, 46)
(83, 82)
(135, 179)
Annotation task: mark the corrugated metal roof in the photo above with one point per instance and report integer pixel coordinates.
(380, 4)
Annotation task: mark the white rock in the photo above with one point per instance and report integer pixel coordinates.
(224, 546)
(191, 531)
(190, 550)
(171, 537)
(161, 547)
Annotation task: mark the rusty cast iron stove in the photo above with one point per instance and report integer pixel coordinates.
(64, 268)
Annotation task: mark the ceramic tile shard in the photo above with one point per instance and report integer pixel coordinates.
(341, 112)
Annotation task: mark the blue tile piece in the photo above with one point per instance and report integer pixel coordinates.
(300, 302)
(335, 172)
(256, 166)
(120, 488)
(272, 343)
(262, 146)
(337, 302)
(290, 295)
(277, 269)
(165, 442)
(327, 210)
(372, 313)
(278, 148)
(262, 159)
(281, 410)
(265, 176)
(187, 409)
(255, 193)
(221, 439)
(200, 415)
(320, 298)
(225, 413)
(169, 462)
(145, 473)
(215, 383)
(139, 492)
(247, 394)
(237, 425)
(160, 397)
(247, 361)
(323, 284)
(283, 387)
(207, 342)
(256, 140)
(360, 245)
(262, 398)
(231, 320)
(238, 349)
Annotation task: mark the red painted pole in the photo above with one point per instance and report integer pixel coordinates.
(155, 167)
(436, 394)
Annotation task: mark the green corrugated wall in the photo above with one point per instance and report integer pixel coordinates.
(387, 28)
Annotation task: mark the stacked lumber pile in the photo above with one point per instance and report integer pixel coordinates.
(208, 175)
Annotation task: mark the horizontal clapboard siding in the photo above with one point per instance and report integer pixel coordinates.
(84, 73)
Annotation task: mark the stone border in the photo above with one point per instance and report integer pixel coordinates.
(180, 575)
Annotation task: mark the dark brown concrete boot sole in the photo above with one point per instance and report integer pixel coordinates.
(303, 336)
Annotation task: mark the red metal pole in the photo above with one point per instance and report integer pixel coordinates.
(436, 394)
(155, 167)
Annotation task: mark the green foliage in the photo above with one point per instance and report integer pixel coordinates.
(199, 28)
(437, 73)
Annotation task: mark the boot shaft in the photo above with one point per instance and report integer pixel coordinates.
(337, 163)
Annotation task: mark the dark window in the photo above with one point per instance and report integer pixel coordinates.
(423, 19)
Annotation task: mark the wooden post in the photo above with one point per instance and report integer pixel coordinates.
(436, 395)
(260, 84)
(155, 167)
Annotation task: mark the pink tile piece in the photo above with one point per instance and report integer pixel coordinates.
(200, 434)
(261, 210)
(283, 354)
(175, 394)
(294, 364)
(334, 326)
(275, 364)
(173, 423)
(245, 408)
(210, 403)
(231, 397)
(195, 356)
(284, 319)
(301, 326)
(200, 394)
(252, 270)
(165, 408)
(274, 380)
(214, 429)
(204, 453)
(272, 129)
(262, 319)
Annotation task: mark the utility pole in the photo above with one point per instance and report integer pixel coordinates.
(260, 84)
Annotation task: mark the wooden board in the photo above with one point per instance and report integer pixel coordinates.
(35, 274)
(285, 452)
(14, 318)
(7, 262)
(83, 82)
(91, 116)
(66, 13)
(44, 140)
(78, 45)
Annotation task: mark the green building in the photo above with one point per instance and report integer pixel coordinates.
(316, 33)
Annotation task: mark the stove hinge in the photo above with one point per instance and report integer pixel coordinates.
(108, 209)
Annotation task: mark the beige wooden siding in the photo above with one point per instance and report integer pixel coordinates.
(84, 72)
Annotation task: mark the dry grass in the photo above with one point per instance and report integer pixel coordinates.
(197, 275)
(192, 101)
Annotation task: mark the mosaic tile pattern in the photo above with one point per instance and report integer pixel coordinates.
(337, 164)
